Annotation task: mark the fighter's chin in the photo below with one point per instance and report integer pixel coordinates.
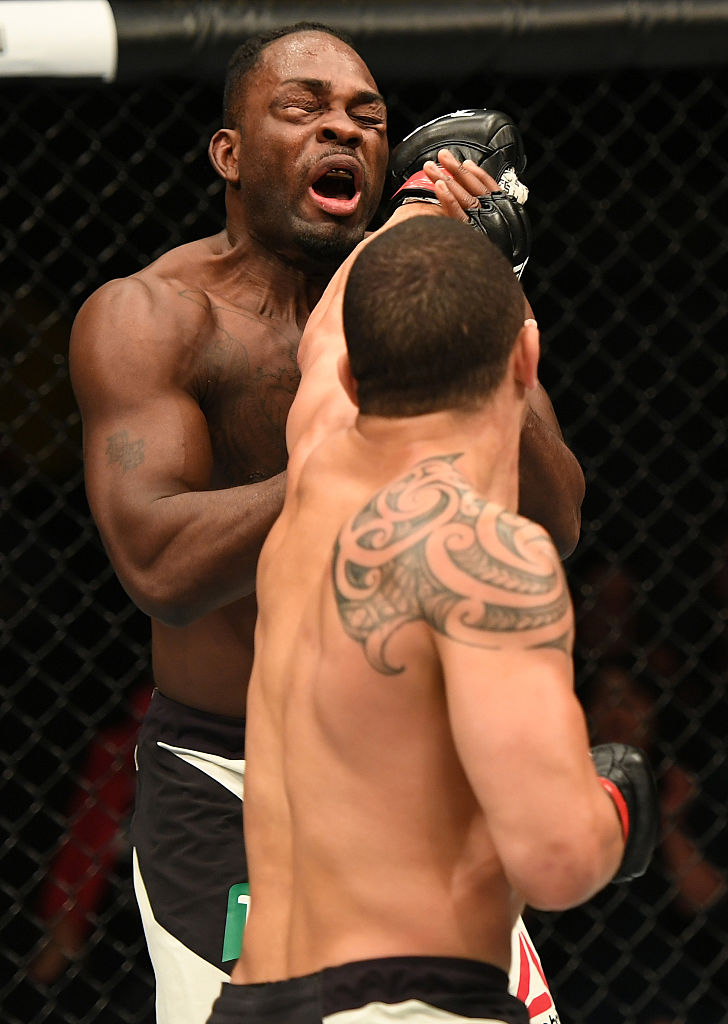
(330, 243)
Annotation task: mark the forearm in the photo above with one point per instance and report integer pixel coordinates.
(556, 867)
(186, 554)
(551, 483)
(566, 867)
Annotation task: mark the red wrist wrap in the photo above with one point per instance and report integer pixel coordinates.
(420, 180)
(619, 802)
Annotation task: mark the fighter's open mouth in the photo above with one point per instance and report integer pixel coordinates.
(338, 183)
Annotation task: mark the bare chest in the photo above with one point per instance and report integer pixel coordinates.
(248, 379)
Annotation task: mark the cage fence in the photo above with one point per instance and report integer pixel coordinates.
(628, 169)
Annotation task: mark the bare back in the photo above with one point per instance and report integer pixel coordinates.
(357, 792)
(414, 742)
(184, 374)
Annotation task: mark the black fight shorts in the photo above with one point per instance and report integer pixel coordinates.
(187, 829)
(419, 990)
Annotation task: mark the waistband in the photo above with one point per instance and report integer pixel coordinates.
(439, 980)
(183, 726)
(469, 988)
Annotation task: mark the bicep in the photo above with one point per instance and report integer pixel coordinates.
(144, 434)
(321, 407)
(136, 453)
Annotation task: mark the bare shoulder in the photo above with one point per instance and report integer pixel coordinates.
(154, 318)
(429, 548)
(162, 293)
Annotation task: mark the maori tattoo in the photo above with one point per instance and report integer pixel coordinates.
(128, 454)
(428, 548)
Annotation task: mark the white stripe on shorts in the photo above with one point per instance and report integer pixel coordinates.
(411, 1011)
(229, 772)
(191, 985)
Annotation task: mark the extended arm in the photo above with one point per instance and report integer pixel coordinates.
(321, 405)
(551, 482)
(179, 548)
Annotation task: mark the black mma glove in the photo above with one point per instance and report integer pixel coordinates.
(487, 137)
(506, 224)
(625, 774)
(492, 141)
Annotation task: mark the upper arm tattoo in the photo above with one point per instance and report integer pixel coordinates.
(428, 548)
(128, 454)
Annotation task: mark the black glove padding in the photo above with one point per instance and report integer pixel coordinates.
(627, 777)
(506, 224)
(489, 138)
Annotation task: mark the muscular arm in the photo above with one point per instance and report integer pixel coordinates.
(518, 728)
(321, 405)
(179, 548)
(551, 482)
(489, 587)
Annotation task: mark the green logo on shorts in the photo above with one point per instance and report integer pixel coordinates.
(237, 915)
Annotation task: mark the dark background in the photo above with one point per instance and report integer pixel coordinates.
(627, 168)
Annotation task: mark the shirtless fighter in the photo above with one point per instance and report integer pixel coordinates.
(413, 649)
(184, 373)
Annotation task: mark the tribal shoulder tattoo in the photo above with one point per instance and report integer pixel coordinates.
(428, 548)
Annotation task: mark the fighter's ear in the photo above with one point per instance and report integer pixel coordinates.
(346, 378)
(224, 153)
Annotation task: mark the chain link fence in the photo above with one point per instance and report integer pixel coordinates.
(627, 171)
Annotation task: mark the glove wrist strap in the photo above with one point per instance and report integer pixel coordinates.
(619, 802)
(419, 180)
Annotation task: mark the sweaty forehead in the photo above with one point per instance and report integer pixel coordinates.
(314, 55)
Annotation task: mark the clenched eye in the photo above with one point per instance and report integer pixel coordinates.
(336, 184)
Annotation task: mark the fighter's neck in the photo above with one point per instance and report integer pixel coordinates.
(486, 445)
(267, 282)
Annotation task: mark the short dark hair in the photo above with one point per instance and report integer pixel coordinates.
(247, 57)
(431, 311)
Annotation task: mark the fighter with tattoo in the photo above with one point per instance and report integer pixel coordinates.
(184, 374)
(427, 548)
(418, 765)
